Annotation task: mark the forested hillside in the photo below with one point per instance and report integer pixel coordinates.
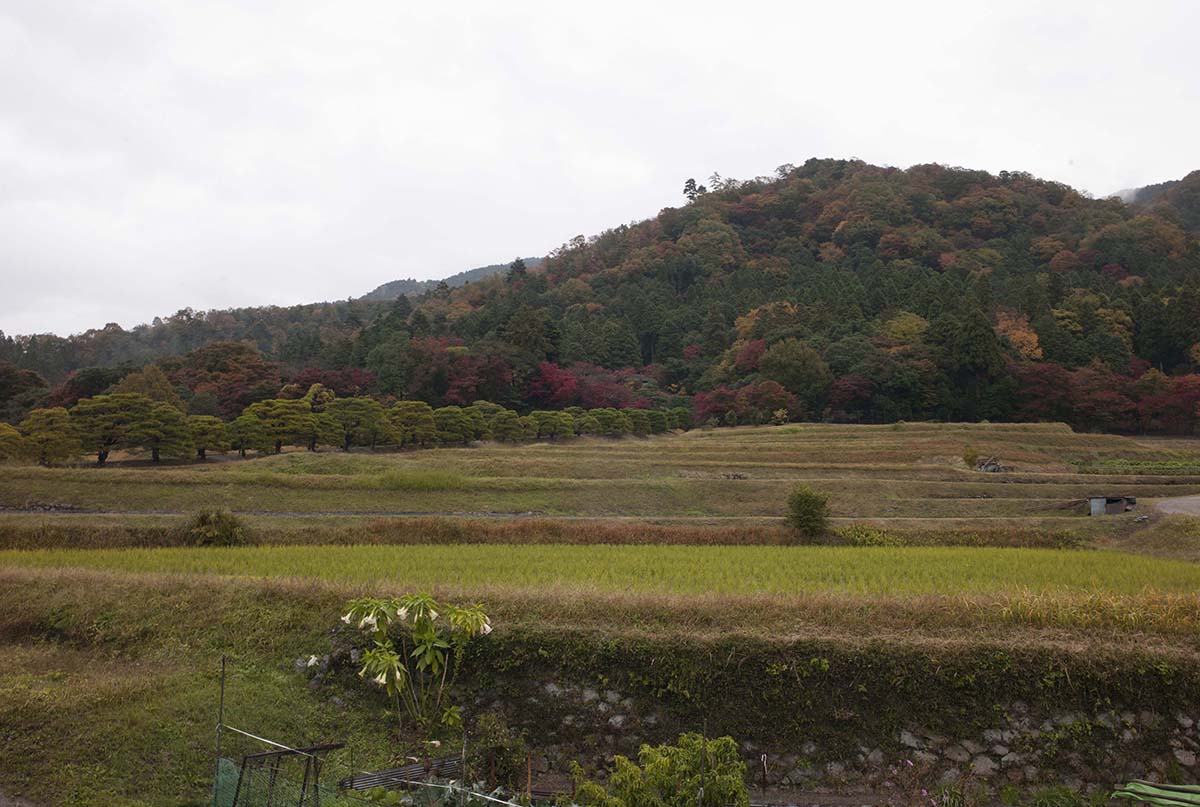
(409, 286)
(1177, 200)
(837, 290)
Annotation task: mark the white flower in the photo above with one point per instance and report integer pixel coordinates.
(346, 618)
(313, 661)
(402, 612)
(433, 615)
(435, 743)
(368, 621)
(486, 629)
(381, 679)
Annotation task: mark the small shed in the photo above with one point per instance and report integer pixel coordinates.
(1110, 505)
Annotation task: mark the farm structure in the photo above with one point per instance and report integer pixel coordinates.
(1110, 505)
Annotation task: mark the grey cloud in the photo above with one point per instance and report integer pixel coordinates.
(157, 155)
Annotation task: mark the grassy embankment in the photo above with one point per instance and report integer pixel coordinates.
(108, 682)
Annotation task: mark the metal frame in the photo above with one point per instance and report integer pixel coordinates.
(312, 770)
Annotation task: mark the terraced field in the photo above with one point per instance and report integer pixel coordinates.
(907, 471)
(989, 585)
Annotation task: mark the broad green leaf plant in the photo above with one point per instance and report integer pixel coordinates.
(695, 772)
(418, 663)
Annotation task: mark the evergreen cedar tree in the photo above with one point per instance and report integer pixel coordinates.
(111, 422)
(165, 430)
(247, 433)
(207, 433)
(359, 420)
(46, 436)
(836, 290)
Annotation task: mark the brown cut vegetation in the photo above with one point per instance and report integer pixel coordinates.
(115, 531)
(905, 471)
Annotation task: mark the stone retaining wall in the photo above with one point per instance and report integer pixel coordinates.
(1022, 749)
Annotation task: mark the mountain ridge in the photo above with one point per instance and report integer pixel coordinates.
(1177, 199)
(411, 287)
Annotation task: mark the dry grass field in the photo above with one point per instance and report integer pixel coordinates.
(904, 471)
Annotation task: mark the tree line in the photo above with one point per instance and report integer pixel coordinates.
(143, 412)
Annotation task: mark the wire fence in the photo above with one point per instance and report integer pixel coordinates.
(286, 776)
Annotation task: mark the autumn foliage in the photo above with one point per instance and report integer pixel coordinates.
(835, 290)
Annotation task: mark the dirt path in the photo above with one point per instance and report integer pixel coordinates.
(1182, 505)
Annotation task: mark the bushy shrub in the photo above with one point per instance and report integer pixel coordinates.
(529, 427)
(506, 427)
(658, 421)
(681, 418)
(455, 425)
(497, 753)
(639, 422)
(697, 772)
(216, 528)
(613, 422)
(862, 535)
(587, 424)
(808, 512)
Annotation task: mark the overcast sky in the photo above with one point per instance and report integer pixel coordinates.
(215, 154)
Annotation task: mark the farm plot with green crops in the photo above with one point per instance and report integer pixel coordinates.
(660, 569)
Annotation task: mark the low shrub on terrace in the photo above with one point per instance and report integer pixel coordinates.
(216, 528)
(696, 772)
(808, 512)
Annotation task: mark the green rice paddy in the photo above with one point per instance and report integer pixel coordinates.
(661, 569)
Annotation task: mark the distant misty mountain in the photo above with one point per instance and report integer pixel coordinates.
(1177, 199)
(397, 288)
(1146, 194)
